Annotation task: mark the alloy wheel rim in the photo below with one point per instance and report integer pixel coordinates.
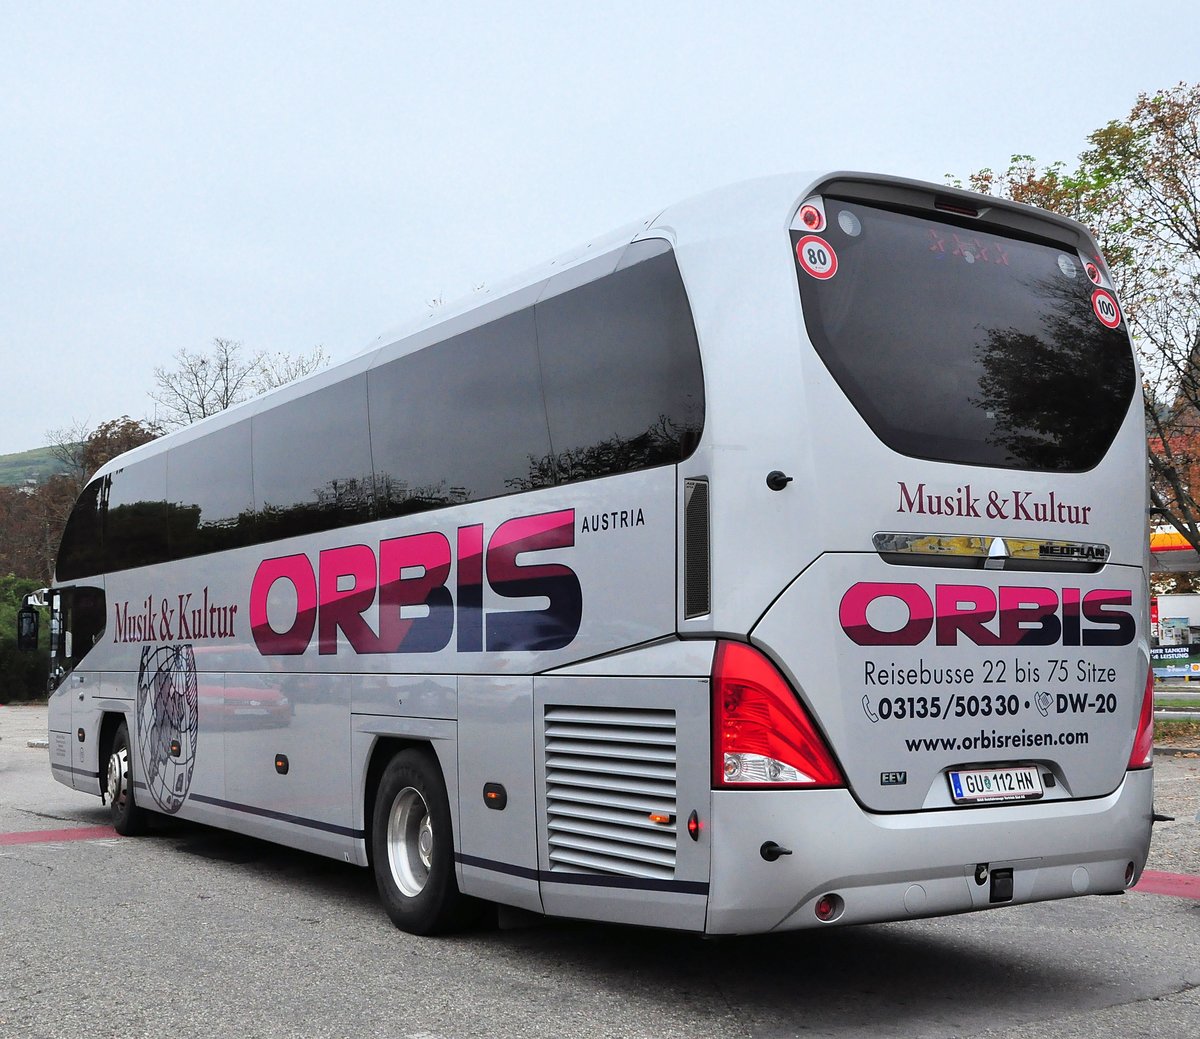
(118, 773)
(410, 839)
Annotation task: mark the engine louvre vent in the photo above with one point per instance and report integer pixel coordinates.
(608, 769)
(697, 594)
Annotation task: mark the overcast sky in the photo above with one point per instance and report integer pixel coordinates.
(294, 174)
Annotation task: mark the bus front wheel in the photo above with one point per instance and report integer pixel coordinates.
(127, 818)
(412, 847)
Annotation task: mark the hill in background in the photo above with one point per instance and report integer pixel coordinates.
(38, 464)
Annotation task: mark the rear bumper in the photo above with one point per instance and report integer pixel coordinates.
(897, 867)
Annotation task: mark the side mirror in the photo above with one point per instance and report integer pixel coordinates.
(27, 628)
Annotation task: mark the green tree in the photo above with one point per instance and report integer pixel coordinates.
(32, 522)
(31, 527)
(82, 451)
(1137, 186)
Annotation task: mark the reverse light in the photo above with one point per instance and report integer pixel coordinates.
(762, 735)
(1142, 755)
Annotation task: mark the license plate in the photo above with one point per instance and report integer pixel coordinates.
(1019, 783)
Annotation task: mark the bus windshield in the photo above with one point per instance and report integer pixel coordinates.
(960, 344)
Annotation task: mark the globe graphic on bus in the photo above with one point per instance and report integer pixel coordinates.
(168, 722)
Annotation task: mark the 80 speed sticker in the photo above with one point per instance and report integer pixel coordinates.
(816, 257)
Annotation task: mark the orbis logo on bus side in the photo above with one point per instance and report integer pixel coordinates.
(412, 571)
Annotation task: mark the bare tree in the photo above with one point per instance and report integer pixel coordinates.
(203, 384)
(69, 446)
(279, 368)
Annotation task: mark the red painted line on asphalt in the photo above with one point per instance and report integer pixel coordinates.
(1179, 885)
(77, 833)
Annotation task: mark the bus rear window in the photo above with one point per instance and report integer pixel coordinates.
(960, 345)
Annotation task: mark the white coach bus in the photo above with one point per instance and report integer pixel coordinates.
(776, 562)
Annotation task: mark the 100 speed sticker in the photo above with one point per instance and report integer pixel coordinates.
(1106, 309)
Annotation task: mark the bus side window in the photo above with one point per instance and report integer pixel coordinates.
(81, 552)
(81, 618)
(210, 498)
(461, 420)
(135, 520)
(312, 463)
(621, 368)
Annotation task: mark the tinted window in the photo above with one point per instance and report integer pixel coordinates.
(81, 552)
(596, 379)
(210, 499)
(460, 421)
(312, 462)
(82, 620)
(135, 522)
(621, 369)
(962, 345)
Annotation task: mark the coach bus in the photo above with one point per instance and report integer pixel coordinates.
(778, 561)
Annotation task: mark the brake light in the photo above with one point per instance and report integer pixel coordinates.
(810, 217)
(947, 205)
(1142, 755)
(762, 735)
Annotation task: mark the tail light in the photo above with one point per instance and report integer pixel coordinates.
(762, 735)
(1142, 755)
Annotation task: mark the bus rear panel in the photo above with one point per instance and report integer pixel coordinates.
(964, 625)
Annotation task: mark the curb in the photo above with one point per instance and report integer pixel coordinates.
(1177, 752)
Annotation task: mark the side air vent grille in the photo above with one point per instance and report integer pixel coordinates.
(697, 587)
(608, 772)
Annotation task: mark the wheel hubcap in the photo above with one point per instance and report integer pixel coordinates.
(410, 842)
(118, 773)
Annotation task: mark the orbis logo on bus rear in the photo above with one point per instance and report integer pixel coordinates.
(1005, 616)
(412, 572)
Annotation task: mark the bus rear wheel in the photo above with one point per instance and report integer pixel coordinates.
(412, 848)
(127, 818)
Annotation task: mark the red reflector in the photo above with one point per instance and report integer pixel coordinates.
(762, 735)
(828, 907)
(810, 217)
(1142, 755)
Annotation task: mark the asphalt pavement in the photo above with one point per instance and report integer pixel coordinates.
(196, 932)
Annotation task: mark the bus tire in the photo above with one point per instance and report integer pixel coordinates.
(412, 847)
(127, 818)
